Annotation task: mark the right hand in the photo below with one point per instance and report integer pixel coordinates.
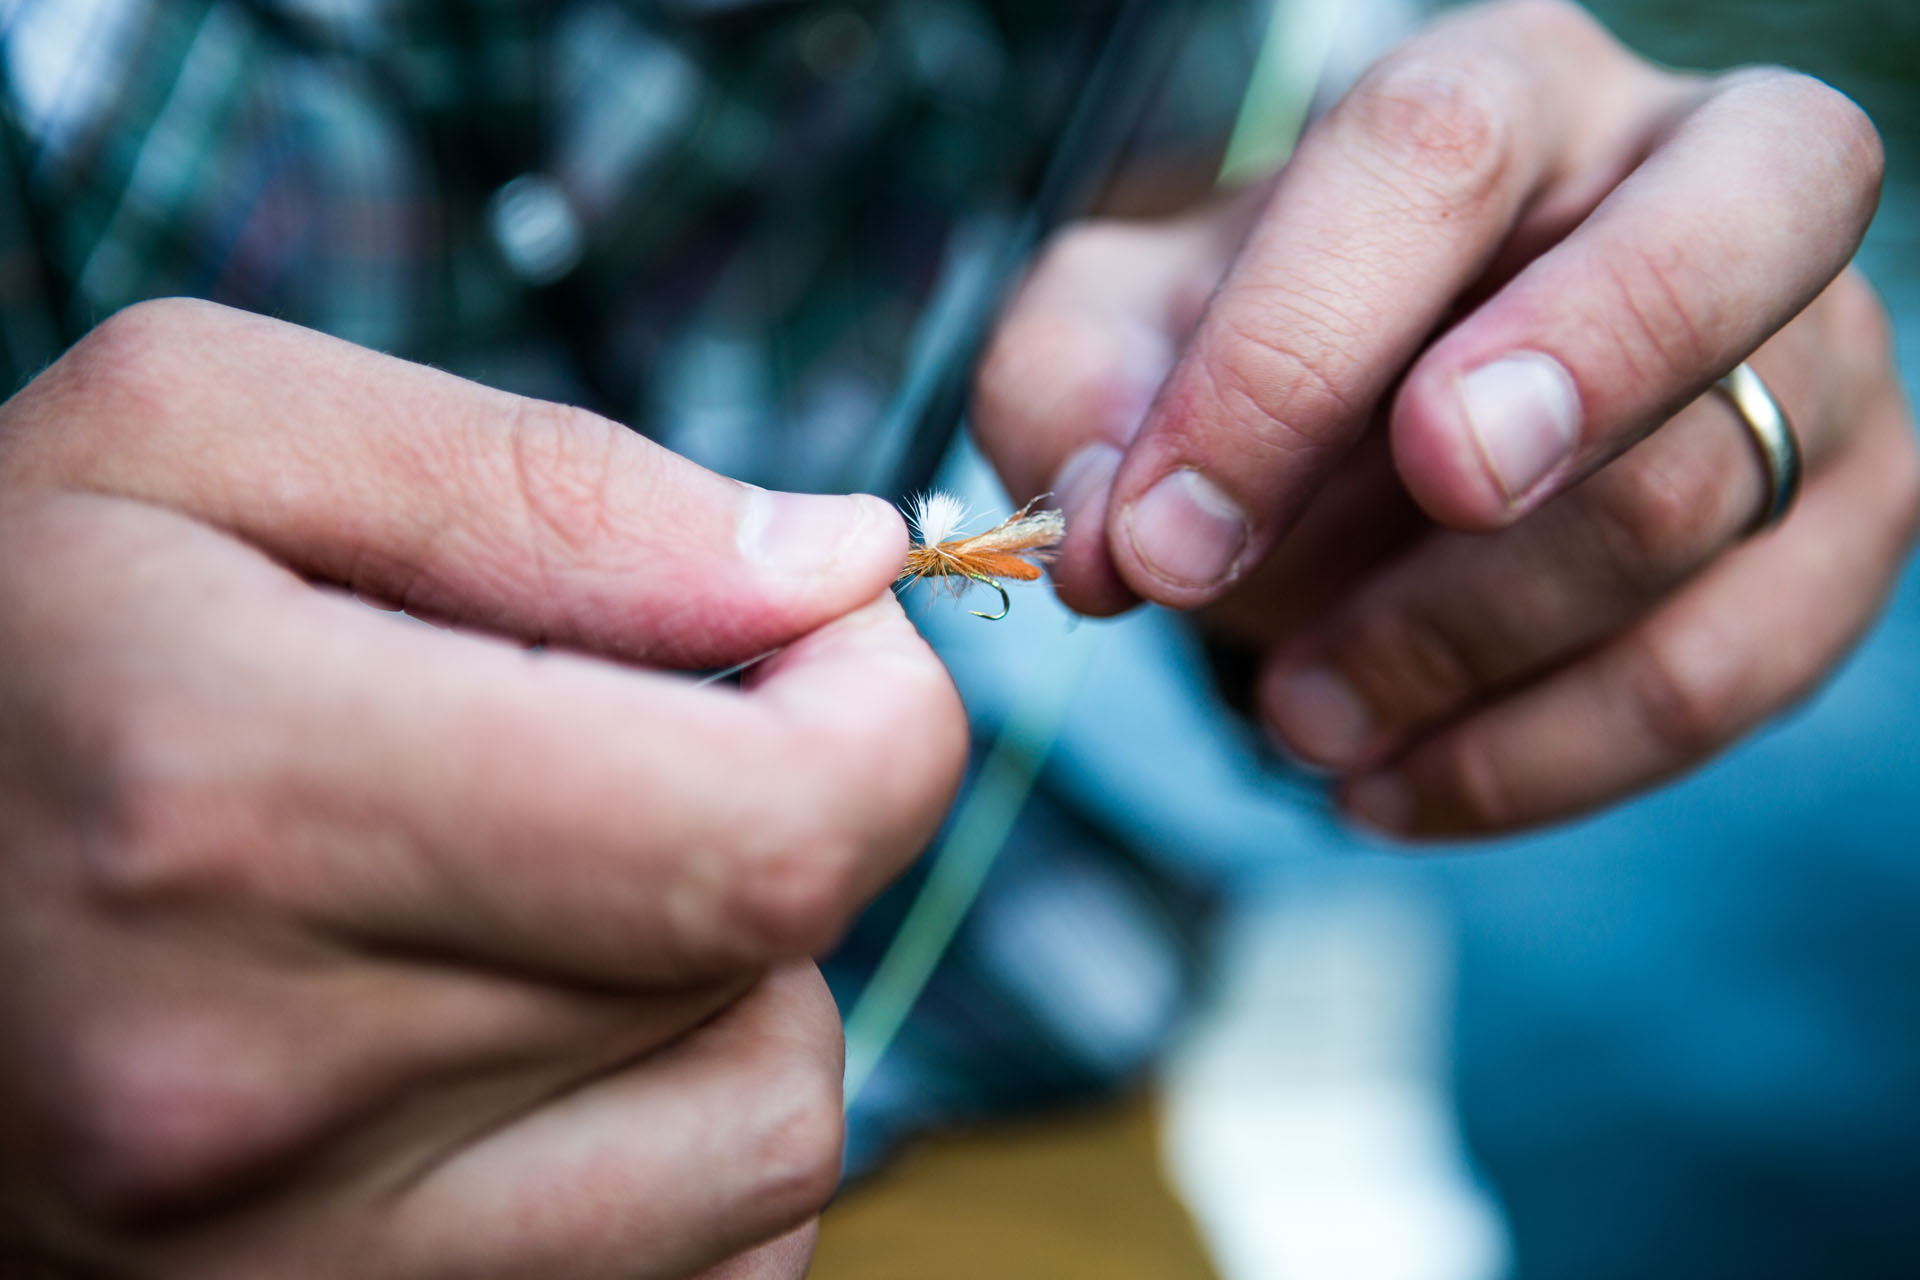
(336, 945)
(1426, 423)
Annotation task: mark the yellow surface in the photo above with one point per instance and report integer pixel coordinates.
(1058, 1198)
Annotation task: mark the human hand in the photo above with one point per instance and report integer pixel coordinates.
(338, 945)
(1262, 408)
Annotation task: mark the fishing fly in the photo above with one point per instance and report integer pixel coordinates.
(1013, 549)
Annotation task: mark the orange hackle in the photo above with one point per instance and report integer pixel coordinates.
(1008, 550)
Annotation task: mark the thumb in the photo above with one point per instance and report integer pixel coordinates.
(453, 500)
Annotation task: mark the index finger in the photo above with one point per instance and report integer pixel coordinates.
(274, 751)
(1392, 208)
(449, 498)
(619, 825)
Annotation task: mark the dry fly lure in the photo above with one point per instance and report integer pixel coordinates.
(1008, 550)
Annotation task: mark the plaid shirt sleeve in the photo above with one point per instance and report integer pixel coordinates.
(30, 334)
(716, 221)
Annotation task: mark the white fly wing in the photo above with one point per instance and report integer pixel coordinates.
(936, 516)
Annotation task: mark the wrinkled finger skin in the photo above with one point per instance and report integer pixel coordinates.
(1424, 424)
(340, 945)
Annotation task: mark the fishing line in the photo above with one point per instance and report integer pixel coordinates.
(1272, 113)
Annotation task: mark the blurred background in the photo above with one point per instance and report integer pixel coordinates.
(1682, 1039)
(1688, 1035)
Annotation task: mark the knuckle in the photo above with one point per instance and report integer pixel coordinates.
(1657, 514)
(794, 896)
(137, 338)
(1441, 123)
(563, 461)
(1686, 706)
(1467, 787)
(798, 1138)
(130, 365)
(168, 835)
(139, 355)
(150, 1117)
(1409, 662)
(1292, 393)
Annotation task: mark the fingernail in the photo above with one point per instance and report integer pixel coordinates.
(1320, 716)
(1083, 478)
(1186, 531)
(1383, 801)
(1524, 412)
(801, 533)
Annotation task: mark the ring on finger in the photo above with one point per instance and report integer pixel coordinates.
(1773, 436)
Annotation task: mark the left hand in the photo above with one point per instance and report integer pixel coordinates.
(333, 945)
(1491, 621)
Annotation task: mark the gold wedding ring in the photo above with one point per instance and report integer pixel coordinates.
(1772, 435)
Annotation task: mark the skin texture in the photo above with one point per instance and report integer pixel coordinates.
(339, 945)
(1475, 650)
(342, 945)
